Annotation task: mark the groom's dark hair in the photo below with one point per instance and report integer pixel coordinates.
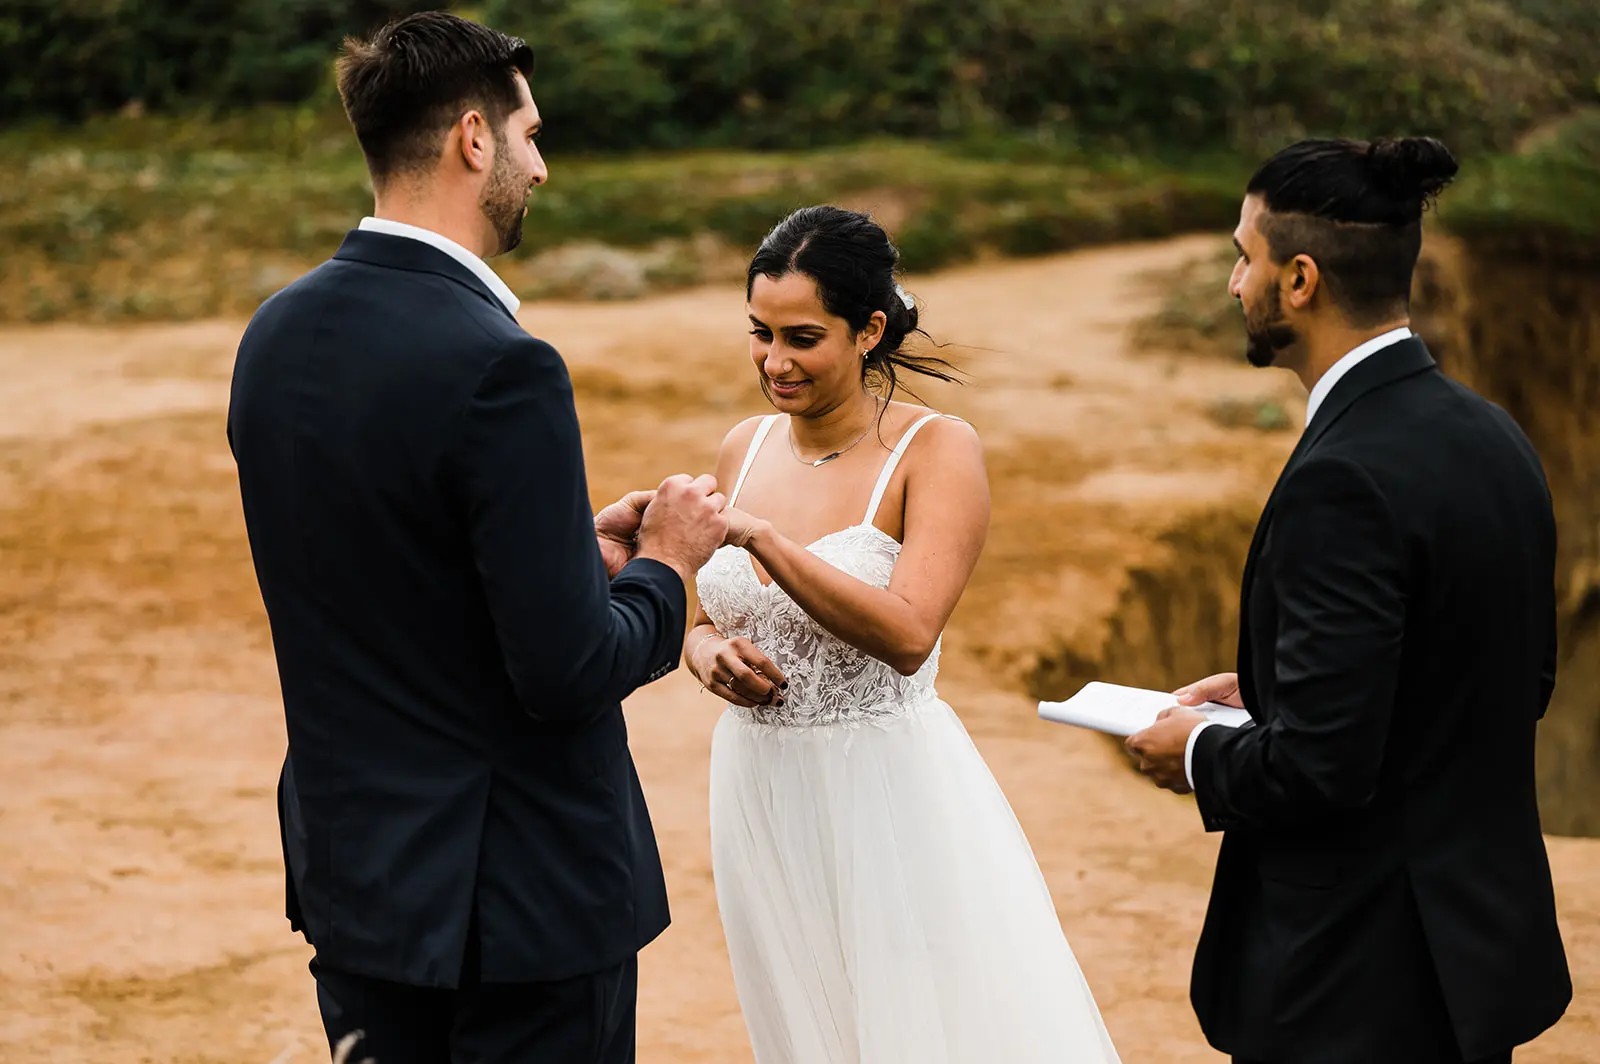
(1355, 207)
(404, 87)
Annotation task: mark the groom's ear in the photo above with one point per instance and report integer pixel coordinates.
(475, 140)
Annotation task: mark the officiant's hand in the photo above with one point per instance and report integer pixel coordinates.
(1223, 689)
(617, 527)
(1158, 750)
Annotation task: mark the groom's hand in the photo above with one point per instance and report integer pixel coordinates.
(684, 524)
(617, 528)
(1158, 750)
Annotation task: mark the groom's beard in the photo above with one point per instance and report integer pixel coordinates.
(1264, 339)
(504, 199)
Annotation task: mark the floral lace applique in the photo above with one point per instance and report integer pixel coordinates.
(830, 681)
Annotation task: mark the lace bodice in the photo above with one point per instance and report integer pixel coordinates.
(830, 681)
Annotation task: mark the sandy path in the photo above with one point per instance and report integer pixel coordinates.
(140, 732)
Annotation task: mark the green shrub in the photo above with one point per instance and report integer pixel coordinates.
(69, 59)
(1169, 75)
(1547, 194)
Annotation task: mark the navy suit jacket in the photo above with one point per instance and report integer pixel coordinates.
(451, 653)
(1397, 651)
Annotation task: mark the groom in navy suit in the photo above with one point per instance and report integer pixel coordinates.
(467, 845)
(1382, 892)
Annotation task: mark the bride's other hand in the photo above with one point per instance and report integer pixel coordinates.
(742, 527)
(736, 671)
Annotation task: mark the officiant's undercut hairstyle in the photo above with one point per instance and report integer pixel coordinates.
(1355, 207)
(406, 85)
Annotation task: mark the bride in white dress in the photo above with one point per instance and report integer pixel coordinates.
(880, 902)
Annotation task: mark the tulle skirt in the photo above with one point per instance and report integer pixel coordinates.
(881, 903)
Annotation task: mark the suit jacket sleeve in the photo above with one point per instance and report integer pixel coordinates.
(1336, 566)
(574, 642)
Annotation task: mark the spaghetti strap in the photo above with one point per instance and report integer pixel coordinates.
(889, 466)
(750, 456)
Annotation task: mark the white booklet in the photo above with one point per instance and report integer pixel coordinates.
(1123, 711)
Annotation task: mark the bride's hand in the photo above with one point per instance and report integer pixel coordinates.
(741, 527)
(736, 671)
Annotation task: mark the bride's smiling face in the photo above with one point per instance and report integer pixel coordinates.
(810, 361)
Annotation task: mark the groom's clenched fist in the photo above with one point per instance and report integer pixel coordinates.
(684, 524)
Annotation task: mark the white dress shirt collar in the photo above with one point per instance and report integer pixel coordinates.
(479, 268)
(1336, 372)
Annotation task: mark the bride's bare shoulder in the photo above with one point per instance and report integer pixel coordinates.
(735, 444)
(739, 438)
(944, 432)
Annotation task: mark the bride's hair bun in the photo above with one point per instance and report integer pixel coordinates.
(1414, 169)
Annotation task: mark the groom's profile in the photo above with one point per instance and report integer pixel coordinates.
(1382, 892)
(466, 842)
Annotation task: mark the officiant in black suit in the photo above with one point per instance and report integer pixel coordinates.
(1382, 894)
(467, 845)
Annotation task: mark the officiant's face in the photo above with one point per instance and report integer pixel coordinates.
(518, 168)
(1255, 284)
(809, 360)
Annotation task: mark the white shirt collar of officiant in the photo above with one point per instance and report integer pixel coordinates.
(479, 268)
(1336, 372)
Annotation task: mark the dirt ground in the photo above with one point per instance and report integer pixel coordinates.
(140, 732)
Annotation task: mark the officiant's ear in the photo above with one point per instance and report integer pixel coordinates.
(476, 139)
(1303, 280)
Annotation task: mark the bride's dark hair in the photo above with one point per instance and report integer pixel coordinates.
(853, 262)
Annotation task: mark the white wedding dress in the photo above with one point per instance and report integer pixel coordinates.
(880, 901)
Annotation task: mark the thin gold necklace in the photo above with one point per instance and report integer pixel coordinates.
(825, 459)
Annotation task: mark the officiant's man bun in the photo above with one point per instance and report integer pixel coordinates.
(408, 83)
(1355, 207)
(1411, 170)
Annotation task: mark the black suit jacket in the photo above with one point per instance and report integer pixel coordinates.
(1396, 651)
(451, 653)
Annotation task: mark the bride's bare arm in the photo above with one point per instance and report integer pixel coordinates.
(946, 522)
(733, 669)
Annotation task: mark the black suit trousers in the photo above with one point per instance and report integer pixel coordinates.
(588, 1019)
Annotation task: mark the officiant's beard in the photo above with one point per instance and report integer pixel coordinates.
(505, 198)
(1264, 339)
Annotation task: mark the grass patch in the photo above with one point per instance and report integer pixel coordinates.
(160, 218)
(1263, 415)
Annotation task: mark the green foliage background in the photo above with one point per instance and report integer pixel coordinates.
(622, 74)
